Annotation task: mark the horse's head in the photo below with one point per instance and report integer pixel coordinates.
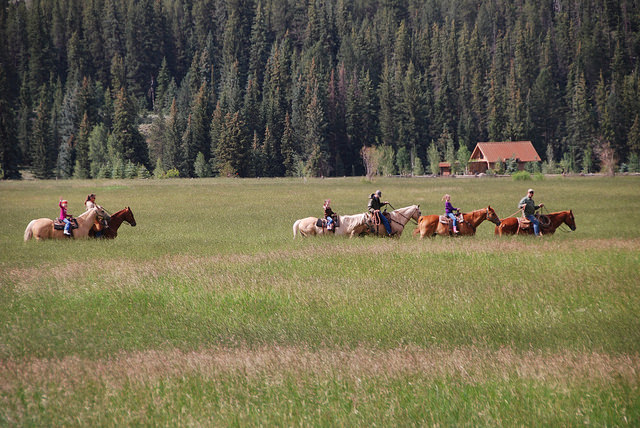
(416, 213)
(570, 220)
(128, 217)
(101, 214)
(492, 216)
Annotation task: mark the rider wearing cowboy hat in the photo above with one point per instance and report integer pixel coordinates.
(529, 207)
(374, 207)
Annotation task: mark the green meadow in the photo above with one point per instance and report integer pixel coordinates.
(208, 312)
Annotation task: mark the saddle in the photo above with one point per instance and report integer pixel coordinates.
(375, 221)
(524, 223)
(59, 225)
(322, 222)
(447, 220)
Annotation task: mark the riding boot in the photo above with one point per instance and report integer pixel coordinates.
(455, 230)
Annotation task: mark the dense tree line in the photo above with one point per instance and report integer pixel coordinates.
(123, 88)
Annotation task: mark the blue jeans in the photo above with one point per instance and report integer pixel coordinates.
(384, 221)
(67, 225)
(535, 223)
(452, 216)
(329, 223)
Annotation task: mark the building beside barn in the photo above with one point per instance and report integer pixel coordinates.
(445, 168)
(486, 155)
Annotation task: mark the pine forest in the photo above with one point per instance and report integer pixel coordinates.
(270, 88)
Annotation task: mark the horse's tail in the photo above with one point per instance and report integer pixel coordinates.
(28, 233)
(295, 228)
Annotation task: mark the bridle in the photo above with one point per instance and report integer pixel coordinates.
(404, 216)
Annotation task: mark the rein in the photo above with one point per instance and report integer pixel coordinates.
(403, 216)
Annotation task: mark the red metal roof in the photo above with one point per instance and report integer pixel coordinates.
(492, 151)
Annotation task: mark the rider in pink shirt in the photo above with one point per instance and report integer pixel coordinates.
(64, 217)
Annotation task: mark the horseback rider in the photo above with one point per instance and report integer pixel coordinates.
(450, 212)
(65, 217)
(97, 230)
(374, 208)
(529, 208)
(328, 214)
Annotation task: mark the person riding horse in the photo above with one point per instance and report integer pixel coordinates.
(328, 214)
(529, 207)
(374, 208)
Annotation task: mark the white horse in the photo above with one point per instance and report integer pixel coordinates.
(42, 228)
(351, 225)
(398, 219)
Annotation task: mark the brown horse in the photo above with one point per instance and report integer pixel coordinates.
(398, 219)
(510, 226)
(111, 231)
(42, 228)
(429, 225)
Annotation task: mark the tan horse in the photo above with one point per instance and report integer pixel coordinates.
(398, 219)
(510, 226)
(42, 228)
(351, 225)
(429, 225)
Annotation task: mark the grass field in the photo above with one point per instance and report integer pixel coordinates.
(209, 313)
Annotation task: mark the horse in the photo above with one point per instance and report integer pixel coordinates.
(351, 225)
(42, 228)
(429, 225)
(511, 226)
(397, 219)
(111, 231)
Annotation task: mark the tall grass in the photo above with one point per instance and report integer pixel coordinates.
(291, 331)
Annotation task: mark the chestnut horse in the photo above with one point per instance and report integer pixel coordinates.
(111, 231)
(398, 219)
(510, 226)
(42, 228)
(429, 225)
(351, 225)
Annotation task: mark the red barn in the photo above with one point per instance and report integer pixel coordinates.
(485, 155)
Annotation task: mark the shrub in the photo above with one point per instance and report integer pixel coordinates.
(172, 173)
(521, 176)
(143, 172)
(538, 176)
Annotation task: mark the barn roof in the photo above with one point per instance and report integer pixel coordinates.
(492, 151)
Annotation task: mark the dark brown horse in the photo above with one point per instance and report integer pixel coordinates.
(429, 225)
(111, 231)
(510, 226)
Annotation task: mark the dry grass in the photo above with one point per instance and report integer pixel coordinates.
(126, 274)
(470, 364)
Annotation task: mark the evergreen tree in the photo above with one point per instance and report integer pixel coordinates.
(9, 150)
(98, 155)
(83, 162)
(42, 153)
(129, 144)
(315, 138)
(579, 124)
(200, 166)
(287, 148)
(171, 144)
(433, 155)
(231, 151)
(258, 42)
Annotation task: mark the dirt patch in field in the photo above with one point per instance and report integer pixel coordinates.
(469, 364)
